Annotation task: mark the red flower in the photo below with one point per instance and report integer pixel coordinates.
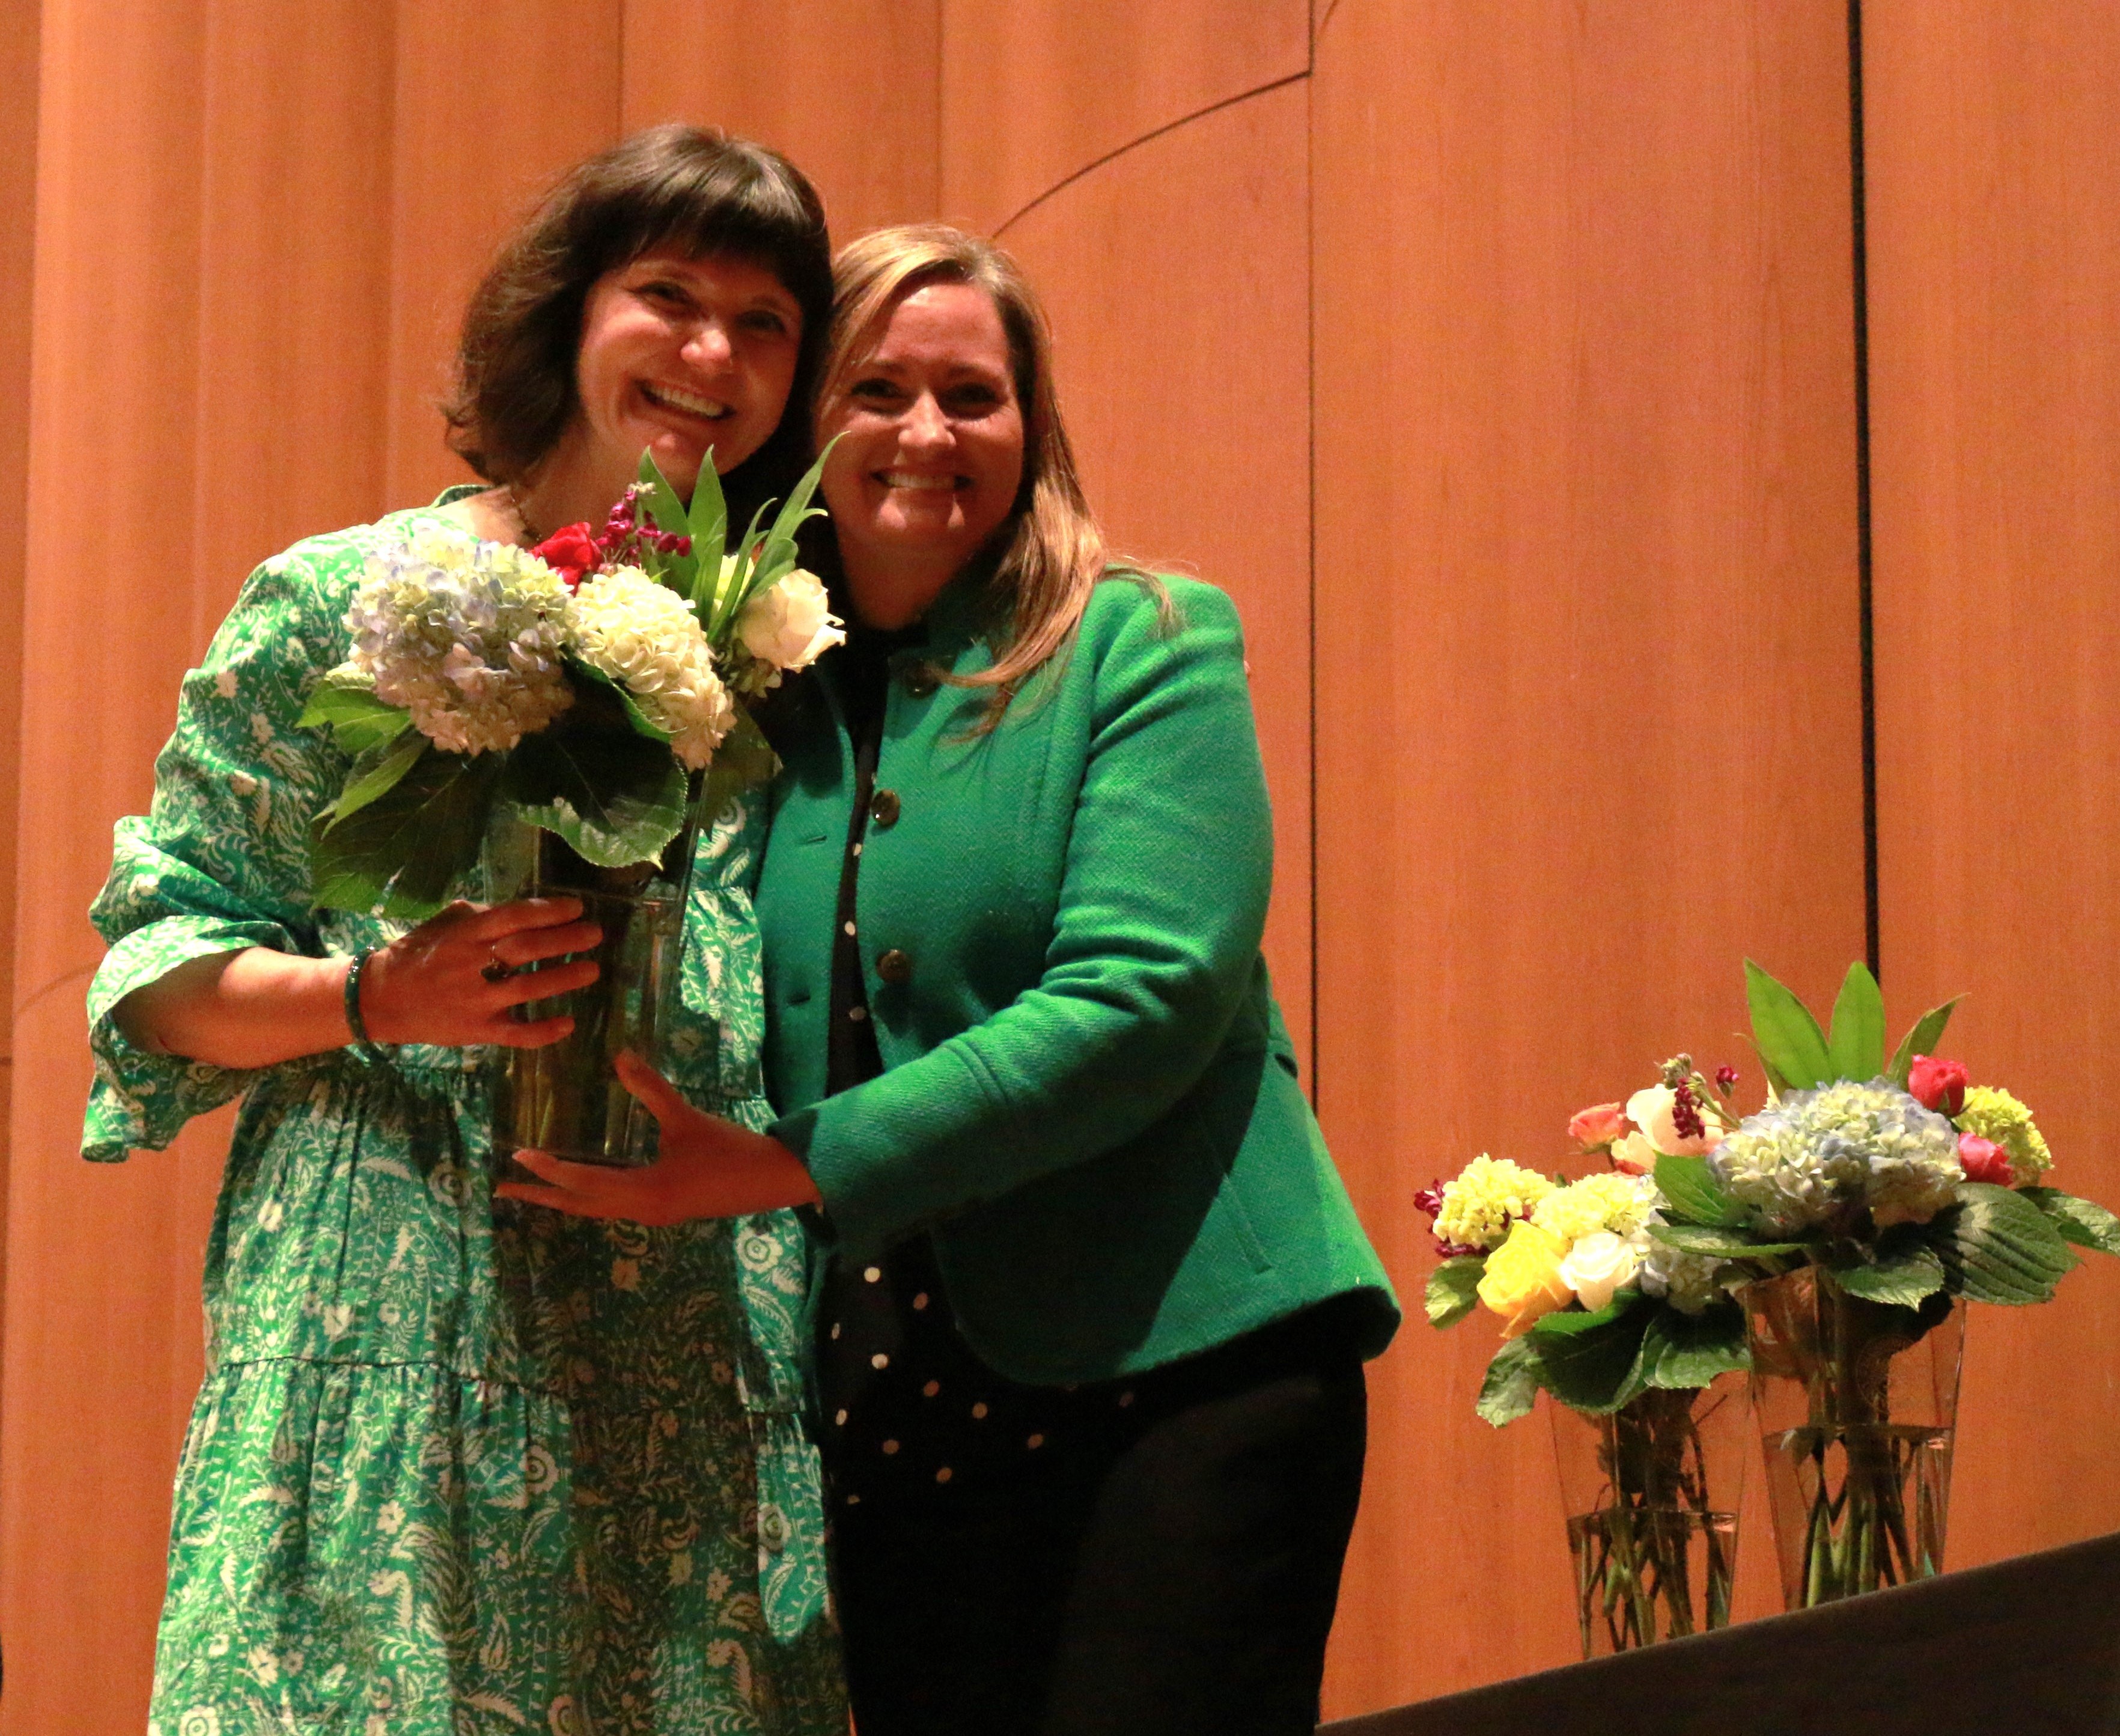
(1982, 1160)
(1597, 1127)
(1939, 1085)
(571, 552)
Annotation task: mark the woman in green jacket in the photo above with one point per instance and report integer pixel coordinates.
(1093, 1407)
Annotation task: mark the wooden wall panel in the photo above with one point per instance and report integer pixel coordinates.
(1994, 146)
(1035, 90)
(849, 89)
(493, 99)
(1193, 438)
(1588, 712)
(18, 191)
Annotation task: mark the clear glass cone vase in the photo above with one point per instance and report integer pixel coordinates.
(1651, 1493)
(1857, 1404)
(566, 1098)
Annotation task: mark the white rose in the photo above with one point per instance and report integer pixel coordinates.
(1654, 1111)
(790, 624)
(1596, 1266)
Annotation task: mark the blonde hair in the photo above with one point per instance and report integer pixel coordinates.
(1053, 552)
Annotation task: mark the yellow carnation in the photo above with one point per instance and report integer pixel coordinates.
(1993, 1114)
(1490, 1193)
(1522, 1281)
(1619, 1204)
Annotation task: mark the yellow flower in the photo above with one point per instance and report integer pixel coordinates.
(1993, 1114)
(1478, 1206)
(1605, 1201)
(1523, 1281)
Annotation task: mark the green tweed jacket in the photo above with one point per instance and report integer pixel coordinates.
(1089, 1098)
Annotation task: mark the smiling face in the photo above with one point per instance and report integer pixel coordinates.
(677, 355)
(932, 454)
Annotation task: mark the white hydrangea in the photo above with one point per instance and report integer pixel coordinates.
(1802, 1160)
(644, 635)
(1688, 1282)
(467, 635)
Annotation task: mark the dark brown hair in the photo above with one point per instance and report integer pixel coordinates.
(690, 188)
(1049, 554)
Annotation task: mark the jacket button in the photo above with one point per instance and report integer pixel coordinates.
(883, 808)
(921, 680)
(894, 967)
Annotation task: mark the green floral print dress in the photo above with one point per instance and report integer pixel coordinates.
(458, 1465)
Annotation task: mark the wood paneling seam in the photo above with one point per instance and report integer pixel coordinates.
(1182, 120)
(1318, 36)
(80, 973)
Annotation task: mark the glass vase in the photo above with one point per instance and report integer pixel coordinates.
(1652, 1494)
(1858, 1403)
(565, 1098)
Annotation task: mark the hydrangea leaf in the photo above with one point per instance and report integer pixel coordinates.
(1920, 1040)
(401, 852)
(1998, 1246)
(1720, 1242)
(1790, 1042)
(1690, 1188)
(374, 774)
(1567, 1322)
(1511, 1387)
(1900, 1269)
(1856, 1047)
(616, 798)
(2083, 1221)
(357, 719)
(620, 702)
(1594, 1371)
(1682, 1351)
(1452, 1289)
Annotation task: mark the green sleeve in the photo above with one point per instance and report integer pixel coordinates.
(1168, 868)
(221, 861)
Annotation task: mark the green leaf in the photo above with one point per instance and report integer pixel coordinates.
(1690, 1187)
(1901, 1269)
(402, 851)
(636, 719)
(1789, 1040)
(1920, 1040)
(1512, 1384)
(1682, 1351)
(374, 774)
(2083, 1221)
(677, 571)
(707, 521)
(1720, 1242)
(1451, 1287)
(1857, 1043)
(615, 797)
(1564, 1323)
(744, 760)
(358, 720)
(729, 600)
(1998, 1246)
(1598, 1371)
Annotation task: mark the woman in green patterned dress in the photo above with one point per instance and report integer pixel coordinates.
(460, 1465)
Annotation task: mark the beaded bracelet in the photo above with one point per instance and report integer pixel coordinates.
(353, 1022)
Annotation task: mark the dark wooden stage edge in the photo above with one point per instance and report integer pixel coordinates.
(2027, 1647)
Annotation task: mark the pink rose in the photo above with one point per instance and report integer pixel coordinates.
(571, 552)
(1597, 1127)
(1937, 1085)
(1982, 1160)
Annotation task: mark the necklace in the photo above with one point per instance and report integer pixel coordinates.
(531, 539)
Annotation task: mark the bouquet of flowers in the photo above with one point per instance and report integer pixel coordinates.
(1624, 1329)
(588, 687)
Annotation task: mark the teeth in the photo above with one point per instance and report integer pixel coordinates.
(678, 399)
(907, 479)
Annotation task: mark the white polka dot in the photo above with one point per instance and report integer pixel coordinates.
(847, 926)
(932, 1388)
(920, 1301)
(839, 1417)
(890, 1446)
(873, 1274)
(945, 1474)
(858, 850)
(853, 1500)
(980, 1409)
(1036, 1442)
(855, 1014)
(835, 1328)
(879, 1361)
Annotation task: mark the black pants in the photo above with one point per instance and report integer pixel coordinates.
(1182, 1580)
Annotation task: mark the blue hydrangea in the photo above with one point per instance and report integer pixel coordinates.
(1807, 1157)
